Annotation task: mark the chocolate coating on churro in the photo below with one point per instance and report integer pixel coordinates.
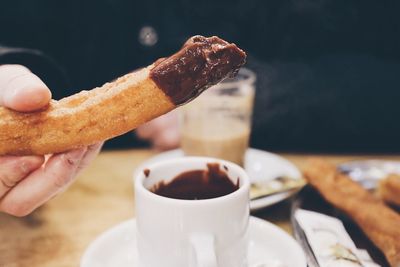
(205, 62)
(117, 107)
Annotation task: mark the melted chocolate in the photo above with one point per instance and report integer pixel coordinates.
(201, 63)
(197, 184)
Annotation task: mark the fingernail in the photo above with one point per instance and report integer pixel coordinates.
(30, 163)
(95, 146)
(74, 156)
(9, 94)
(30, 95)
(26, 92)
(26, 167)
(36, 98)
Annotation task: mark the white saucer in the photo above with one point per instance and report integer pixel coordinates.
(259, 165)
(269, 246)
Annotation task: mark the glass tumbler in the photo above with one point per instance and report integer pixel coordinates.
(218, 123)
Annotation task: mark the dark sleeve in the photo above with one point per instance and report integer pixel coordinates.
(340, 103)
(40, 64)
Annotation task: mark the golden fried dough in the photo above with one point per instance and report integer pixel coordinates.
(389, 189)
(380, 223)
(122, 105)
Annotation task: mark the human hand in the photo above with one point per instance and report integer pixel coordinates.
(27, 182)
(163, 132)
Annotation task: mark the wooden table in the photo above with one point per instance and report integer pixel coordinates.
(57, 234)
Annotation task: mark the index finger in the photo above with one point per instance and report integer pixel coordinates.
(21, 90)
(43, 184)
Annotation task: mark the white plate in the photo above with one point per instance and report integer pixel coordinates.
(259, 165)
(269, 246)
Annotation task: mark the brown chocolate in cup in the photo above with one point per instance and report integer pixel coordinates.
(198, 184)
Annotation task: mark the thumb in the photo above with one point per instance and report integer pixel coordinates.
(21, 90)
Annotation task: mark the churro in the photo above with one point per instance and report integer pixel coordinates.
(122, 105)
(389, 189)
(380, 223)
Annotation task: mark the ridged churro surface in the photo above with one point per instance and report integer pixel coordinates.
(380, 223)
(84, 118)
(389, 189)
(122, 105)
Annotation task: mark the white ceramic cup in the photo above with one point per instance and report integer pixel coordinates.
(191, 233)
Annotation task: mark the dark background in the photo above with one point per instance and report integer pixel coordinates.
(328, 70)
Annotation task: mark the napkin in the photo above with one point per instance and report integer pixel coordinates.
(331, 244)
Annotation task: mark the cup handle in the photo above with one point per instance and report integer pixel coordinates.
(204, 250)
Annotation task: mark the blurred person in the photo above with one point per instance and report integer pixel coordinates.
(163, 132)
(328, 71)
